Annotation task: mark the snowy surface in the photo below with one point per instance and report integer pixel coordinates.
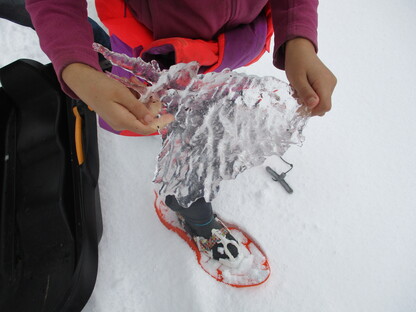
(344, 241)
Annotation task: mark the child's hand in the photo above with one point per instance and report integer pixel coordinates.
(312, 80)
(113, 101)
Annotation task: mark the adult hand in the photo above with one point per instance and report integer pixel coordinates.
(312, 81)
(113, 101)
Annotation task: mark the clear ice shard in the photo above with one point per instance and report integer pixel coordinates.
(225, 123)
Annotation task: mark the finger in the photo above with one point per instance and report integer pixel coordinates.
(324, 106)
(162, 121)
(304, 91)
(154, 105)
(136, 94)
(138, 109)
(137, 127)
(324, 88)
(121, 118)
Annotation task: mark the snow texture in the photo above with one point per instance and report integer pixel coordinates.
(225, 123)
(344, 241)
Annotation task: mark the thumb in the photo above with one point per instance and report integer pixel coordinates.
(305, 92)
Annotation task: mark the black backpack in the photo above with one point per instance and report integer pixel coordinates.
(50, 216)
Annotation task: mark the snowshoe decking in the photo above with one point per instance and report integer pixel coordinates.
(50, 217)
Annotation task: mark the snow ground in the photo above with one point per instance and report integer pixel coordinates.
(344, 241)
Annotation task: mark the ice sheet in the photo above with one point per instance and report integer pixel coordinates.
(224, 124)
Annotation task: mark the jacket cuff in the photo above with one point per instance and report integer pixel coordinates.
(280, 43)
(89, 58)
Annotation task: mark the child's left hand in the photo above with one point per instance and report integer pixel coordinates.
(312, 81)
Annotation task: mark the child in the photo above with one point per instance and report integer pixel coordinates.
(66, 37)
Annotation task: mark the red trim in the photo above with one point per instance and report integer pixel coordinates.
(125, 27)
(221, 49)
(108, 10)
(131, 133)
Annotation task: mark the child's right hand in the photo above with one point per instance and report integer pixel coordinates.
(113, 101)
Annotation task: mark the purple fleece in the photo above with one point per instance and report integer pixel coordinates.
(66, 36)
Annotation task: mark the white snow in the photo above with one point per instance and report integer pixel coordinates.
(344, 241)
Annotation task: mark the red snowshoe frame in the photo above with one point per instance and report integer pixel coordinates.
(50, 216)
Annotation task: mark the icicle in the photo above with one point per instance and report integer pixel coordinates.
(146, 71)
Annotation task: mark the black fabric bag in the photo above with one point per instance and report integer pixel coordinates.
(50, 215)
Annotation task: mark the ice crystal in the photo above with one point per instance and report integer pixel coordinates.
(224, 124)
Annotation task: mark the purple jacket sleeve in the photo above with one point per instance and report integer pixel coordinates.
(65, 34)
(291, 19)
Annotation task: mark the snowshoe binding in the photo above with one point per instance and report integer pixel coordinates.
(219, 245)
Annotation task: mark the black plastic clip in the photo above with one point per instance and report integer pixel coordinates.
(281, 177)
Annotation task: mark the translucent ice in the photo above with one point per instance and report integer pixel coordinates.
(224, 124)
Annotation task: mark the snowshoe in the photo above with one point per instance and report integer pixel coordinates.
(241, 264)
(219, 245)
(50, 217)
